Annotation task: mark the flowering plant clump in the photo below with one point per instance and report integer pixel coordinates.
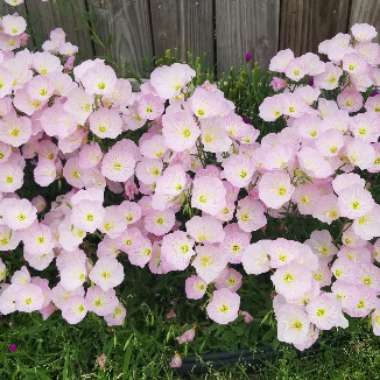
(194, 190)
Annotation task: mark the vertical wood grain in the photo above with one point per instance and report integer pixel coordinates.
(70, 15)
(186, 25)
(306, 23)
(246, 25)
(366, 11)
(123, 33)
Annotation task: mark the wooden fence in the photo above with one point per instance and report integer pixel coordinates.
(132, 32)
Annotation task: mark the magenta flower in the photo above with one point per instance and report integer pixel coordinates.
(248, 56)
(12, 347)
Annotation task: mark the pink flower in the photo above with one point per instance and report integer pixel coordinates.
(224, 306)
(148, 170)
(29, 298)
(88, 215)
(11, 177)
(272, 108)
(153, 145)
(293, 325)
(205, 229)
(105, 123)
(187, 336)
(363, 32)
(74, 310)
(350, 99)
(230, 279)
(99, 79)
(38, 238)
(208, 104)
(177, 250)
(281, 60)
(209, 262)
(234, 243)
(79, 104)
(278, 83)
(107, 273)
(17, 214)
(117, 317)
(150, 107)
(354, 64)
(255, 257)
(100, 302)
(329, 79)
(176, 361)
(214, 138)
(238, 170)
(250, 214)
(322, 244)
(275, 189)
(180, 130)
(195, 287)
(89, 156)
(168, 81)
(247, 317)
(159, 222)
(13, 25)
(45, 172)
(292, 280)
(55, 121)
(118, 164)
(354, 202)
(314, 163)
(208, 194)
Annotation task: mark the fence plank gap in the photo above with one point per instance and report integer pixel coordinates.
(122, 34)
(246, 25)
(70, 15)
(185, 25)
(306, 23)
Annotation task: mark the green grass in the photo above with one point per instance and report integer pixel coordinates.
(142, 348)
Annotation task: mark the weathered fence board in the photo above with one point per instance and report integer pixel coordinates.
(123, 32)
(305, 23)
(245, 25)
(366, 11)
(71, 15)
(130, 33)
(186, 25)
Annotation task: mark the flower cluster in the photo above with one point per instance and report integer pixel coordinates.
(192, 190)
(330, 148)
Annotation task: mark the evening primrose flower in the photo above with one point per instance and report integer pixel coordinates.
(13, 25)
(177, 250)
(250, 214)
(293, 324)
(105, 123)
(224, 306)
(100, 302)
(195, 287)
(275, 189)
(209, 262)
(180, 130)
(74, 310)
(17, 214)
(354, 202)
(29, 298)
(107, 273)
(325, 311)
(292, 280)
(205, 229)
(208, 194)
